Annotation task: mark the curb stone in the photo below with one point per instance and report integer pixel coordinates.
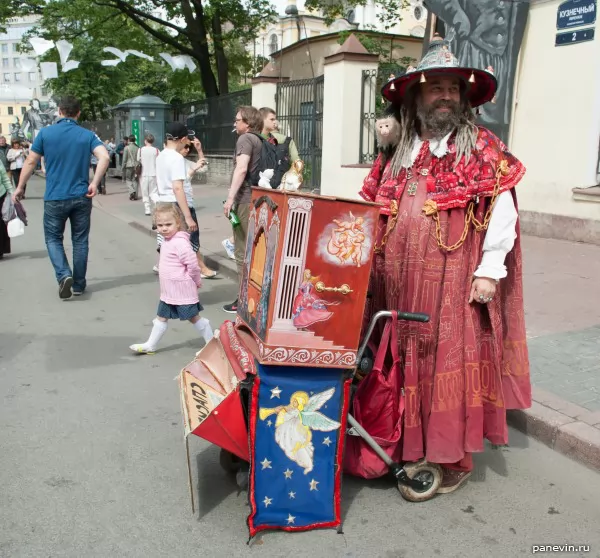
(562, 426)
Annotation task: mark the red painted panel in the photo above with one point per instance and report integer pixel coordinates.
(315, 245)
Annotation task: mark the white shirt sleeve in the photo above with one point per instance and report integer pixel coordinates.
(499, 238)
(178, 170)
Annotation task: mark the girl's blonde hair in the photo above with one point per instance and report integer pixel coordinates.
(171, 209)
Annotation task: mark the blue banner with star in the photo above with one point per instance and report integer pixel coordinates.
(297, 425)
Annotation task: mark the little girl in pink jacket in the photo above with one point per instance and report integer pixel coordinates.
(180, 278)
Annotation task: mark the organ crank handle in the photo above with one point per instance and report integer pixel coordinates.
(344, 289)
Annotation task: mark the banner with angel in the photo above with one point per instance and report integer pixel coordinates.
(297, 425)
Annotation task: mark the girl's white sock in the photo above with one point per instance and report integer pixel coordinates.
(203, 326)
(158, 330)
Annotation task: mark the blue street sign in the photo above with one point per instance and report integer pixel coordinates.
(574, 37)
(576, 13)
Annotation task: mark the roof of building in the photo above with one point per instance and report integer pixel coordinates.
(329, 36)
(142, 100)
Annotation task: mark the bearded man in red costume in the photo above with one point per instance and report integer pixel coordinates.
(448, 245)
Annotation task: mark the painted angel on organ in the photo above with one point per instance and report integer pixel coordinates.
(295, 423)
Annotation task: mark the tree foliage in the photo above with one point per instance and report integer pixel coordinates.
(99, 87)
(210, 33)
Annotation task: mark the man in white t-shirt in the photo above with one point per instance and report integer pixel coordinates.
(147, 157)
(171, 172)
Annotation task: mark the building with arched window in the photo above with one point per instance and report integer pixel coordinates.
(296, 25)
(273, 43)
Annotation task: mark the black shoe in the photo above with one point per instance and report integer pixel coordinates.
(231, 308)
(78, 293)
(64, 288)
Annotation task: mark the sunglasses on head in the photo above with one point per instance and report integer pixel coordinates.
(190, 135)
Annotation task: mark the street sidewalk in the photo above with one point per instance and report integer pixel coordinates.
(214, 227)
(562, 310)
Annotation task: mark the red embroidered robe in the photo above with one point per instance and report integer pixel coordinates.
(469, 364)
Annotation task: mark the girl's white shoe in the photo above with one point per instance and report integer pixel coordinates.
(142, 349)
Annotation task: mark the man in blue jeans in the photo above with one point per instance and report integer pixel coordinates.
(67, 149)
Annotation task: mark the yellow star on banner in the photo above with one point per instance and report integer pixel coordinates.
(266, 464)
(288, 473)
(275, 392)
(327, 441)
(313, 484)
(292, 495)
(291, 518)
(267, 501)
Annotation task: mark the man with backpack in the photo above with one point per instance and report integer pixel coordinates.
(247, 165)
(286, 145)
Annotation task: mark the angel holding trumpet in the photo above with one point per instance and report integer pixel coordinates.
(295, 423)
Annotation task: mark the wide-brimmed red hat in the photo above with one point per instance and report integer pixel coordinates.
(481, 84)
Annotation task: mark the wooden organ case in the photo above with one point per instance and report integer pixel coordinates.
(305, 277)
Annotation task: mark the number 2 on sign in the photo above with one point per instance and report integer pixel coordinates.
(574, 37)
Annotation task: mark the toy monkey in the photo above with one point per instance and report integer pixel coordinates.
(387, 130)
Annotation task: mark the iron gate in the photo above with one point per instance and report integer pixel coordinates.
(212, 120)
(372, 105)
(300, 114)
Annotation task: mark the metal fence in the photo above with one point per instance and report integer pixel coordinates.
(300, 115)
(212, 120)
(372, 104)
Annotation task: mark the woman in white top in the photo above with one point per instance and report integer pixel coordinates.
(16, 157)
(147, 158)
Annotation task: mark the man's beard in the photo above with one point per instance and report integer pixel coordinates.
(438, 124)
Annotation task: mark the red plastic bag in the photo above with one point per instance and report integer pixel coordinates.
(378, 407)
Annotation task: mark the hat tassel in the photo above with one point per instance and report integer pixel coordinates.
(472, 78)
(423, 78)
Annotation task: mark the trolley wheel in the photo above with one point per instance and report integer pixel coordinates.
(431, 473)
(229, 462)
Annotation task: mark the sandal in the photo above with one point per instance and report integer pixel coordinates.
(209, 276)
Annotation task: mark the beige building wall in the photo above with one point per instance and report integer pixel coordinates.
(340, 176)
(556, 123)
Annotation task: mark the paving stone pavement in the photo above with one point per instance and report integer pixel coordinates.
(568, 364)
